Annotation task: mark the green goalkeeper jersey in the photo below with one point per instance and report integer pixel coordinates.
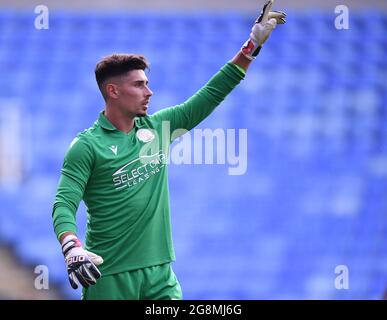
(123, 180)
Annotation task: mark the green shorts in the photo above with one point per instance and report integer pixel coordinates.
(152, 283)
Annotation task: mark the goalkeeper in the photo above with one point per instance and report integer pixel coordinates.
(128, 250)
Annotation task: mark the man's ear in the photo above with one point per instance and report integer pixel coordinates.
(111, 90)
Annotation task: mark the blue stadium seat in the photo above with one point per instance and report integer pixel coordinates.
(314, 106)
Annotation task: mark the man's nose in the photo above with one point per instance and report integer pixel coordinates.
(149, 92)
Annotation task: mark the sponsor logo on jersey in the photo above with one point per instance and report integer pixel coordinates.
(138, 170)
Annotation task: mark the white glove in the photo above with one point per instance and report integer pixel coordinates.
(81, 264)
(262, 29)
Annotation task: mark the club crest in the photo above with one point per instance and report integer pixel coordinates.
(145, 135)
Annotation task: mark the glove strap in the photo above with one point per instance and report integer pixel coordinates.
(250, 49)
(70, 242)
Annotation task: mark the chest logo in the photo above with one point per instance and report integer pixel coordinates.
(145, 135)
(114, 149)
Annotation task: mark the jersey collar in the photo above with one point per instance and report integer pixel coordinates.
(106, 124)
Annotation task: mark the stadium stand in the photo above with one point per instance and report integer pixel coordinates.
(314, 104)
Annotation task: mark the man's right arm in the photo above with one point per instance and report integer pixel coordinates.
(77, 167)
(64, 235)
(76, 170)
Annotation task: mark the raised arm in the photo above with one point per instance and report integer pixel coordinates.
(190, 113)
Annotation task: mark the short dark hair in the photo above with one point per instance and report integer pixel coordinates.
(118, 64)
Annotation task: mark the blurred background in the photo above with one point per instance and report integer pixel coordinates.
(313, 199)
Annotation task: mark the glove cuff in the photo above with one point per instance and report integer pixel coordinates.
(70, 242)
(250, 49)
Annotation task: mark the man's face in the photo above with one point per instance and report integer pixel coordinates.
(131, 93)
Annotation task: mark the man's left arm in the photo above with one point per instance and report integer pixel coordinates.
(194, 110)
(190, 113)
